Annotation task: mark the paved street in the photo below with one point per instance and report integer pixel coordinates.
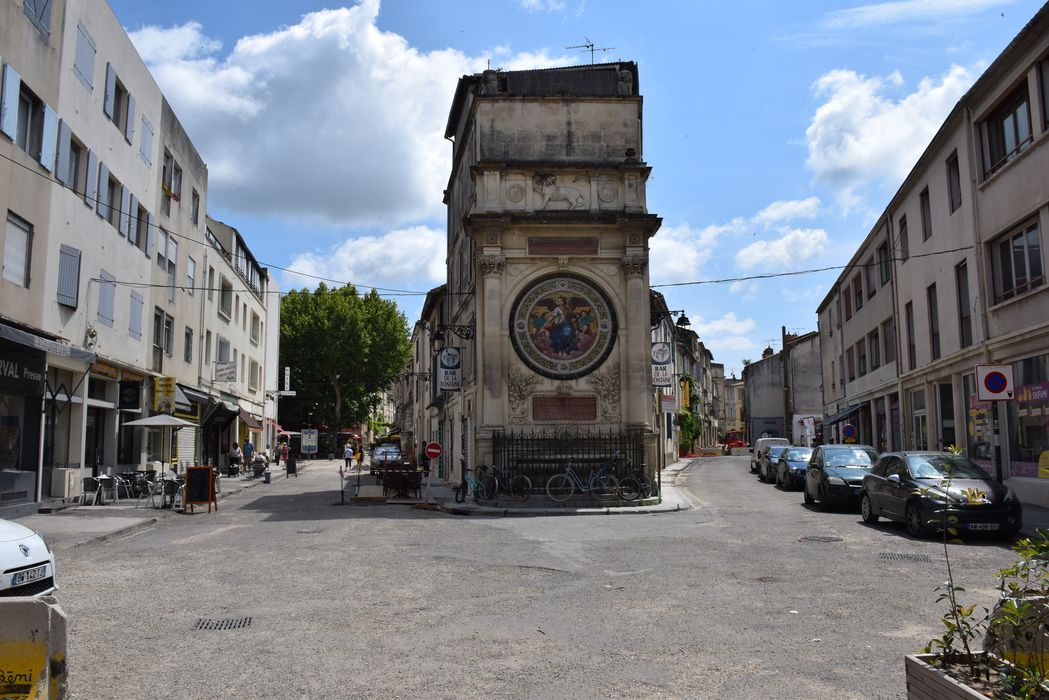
(725, 600)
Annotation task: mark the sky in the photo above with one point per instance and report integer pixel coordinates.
(776, 131)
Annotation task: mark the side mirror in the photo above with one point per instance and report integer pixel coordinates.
(894, 478)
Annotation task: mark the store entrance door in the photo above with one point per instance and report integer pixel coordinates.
(93, 441)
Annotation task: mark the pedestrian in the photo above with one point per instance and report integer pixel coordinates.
(284, 453)
(347, 454)
(249, 451)
(360, 456)
(234, 460)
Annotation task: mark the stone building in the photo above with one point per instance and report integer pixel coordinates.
(783, 391)
(547, 302)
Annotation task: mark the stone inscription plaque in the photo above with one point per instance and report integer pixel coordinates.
(562, 408)
(563, 246)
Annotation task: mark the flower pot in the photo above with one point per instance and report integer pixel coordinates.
(926, 682)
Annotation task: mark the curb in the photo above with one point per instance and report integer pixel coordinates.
(535, 512)
(127, 530)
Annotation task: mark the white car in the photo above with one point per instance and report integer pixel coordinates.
(27, 565)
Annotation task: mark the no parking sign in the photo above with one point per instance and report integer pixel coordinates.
(848, 433)
(994, 382)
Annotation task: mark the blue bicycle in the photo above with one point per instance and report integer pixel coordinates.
(602, 484)
(484, 488)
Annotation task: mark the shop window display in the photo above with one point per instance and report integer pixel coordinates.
(1029, 418)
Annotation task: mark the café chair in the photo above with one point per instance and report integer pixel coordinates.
(90, 490)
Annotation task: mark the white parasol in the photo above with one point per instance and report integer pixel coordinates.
(161, 420)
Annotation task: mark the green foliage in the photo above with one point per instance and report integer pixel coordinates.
(689, 427)
(342, 348)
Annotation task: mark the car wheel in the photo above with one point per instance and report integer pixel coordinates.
(805, 495)
(866, 510)
(915, 525)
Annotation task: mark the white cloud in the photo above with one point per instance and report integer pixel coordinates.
(727, 335)
(744, 290)
(884, 13)
(786, 252)
(677, 253)
(542, 5)
(330, 120)
(859, 135)
(788, 210)
(416, 253)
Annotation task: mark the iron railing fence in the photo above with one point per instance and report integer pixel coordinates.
(541, 454)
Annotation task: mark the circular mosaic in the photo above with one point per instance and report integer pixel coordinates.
(563, 326)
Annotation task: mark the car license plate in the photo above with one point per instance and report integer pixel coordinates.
(983, 526)
(29, 575)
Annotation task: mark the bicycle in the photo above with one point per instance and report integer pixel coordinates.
(635, 485)
(514, 484)
(484, 488)
(602, 484)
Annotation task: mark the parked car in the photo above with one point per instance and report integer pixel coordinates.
(27, 565)
(385, 454)
(916, 488)
(791, 466)
(767, 465)
(760, 445)
(835, 473)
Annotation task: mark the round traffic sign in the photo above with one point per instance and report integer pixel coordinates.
(995, 382)
(848, 430)
(433, 450)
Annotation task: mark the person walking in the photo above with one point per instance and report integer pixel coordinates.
(284, 453)
(235, 456)
(360, 456)
(249, 451)
(347, 454)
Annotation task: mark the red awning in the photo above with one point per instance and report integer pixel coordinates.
(251, 421)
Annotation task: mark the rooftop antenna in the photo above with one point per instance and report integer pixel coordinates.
(589, 46)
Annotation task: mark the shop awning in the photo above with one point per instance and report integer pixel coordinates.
(847, 413)
(52, 346)
(192, 394)
(251, 421)
(220, 411)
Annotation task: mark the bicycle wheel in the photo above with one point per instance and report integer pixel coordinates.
(460, 493)
(646, 486)
(605, 488)
(520, 488)
(559, 488)
(629, 489)
(489, 488)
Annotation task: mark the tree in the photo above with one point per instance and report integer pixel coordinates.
(342, 349)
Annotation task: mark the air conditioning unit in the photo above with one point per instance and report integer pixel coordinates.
(65, 484)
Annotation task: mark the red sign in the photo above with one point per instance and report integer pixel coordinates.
(432, 450)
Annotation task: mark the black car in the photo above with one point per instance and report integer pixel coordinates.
(836, 473)
(767, 462)
(791, 466)
(921, 489)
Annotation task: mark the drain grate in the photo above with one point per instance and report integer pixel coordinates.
(308, 532)
(233, 623)
(820, 538)
(903, 556)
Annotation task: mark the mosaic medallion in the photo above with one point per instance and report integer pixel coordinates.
(563, 326)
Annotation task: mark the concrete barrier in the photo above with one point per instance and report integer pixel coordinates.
(32, 649)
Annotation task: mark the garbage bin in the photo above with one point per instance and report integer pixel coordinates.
(266, 477)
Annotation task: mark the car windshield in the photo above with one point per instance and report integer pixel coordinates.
(775, 451)
(944, 466)
(850, 457)
(388, 450)
(799, 454)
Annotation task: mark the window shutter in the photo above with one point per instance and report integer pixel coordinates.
(68, 276)
(132, 230)
(150, 229)
(91, 187)
(135, 324)
(125, 210)
(106, 297)
(84, 67)
(146, 144)
(62, 166)
(102, 196)
(9, 101)
(49, 140)
(16, 253)
(129, 125)
(110, 103)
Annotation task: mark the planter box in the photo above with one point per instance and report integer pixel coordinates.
(925, 682)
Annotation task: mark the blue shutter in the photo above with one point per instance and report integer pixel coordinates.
(102, 196)
(9, 101)
(132, 231)
(129, 125)
(84, 65)
(150, 233)
(135, 324)
(109, 104)
(49, 140)
(91, 186)
(125, 210)
(62, 166)
(68, 276)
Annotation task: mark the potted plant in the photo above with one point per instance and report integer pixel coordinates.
(997, 653)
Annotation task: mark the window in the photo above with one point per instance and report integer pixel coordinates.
(874, 343)
(118, 104)
(1006, 132)
(84, 64)
(18, 246)
(207, 347)
(114, 193)
(833, 380)
(926, 214)
(888, 336)
(68, 276)
(253, 375)
(861, 358)
(30, 123)
(256, 324)
(138, 233)
(965, 324)
(172, 257)
(211, 283)
(145, 147)
(163, 337)
(191, 275)
(226, 299)
(165, 183)
(194, 207)
(905, 248)
(187, 353)
(851, 364)
(884, 264)
(908, 317)
(848, 303)
(135, 322)
(872, 277)
(934, 321)
(107, 290)
(222, 350)
(1016, 262)
(39, 13)
(918, 420)
(954, 182)
(176, 184)
(857, 291)
(71, 167)
(162, 249)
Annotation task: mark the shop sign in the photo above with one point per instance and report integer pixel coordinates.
(225, 371)
(130, 395)
(662, 369)
(164, 394)
(104, 370)
(449, 370)
(21, 372)
(668, 403)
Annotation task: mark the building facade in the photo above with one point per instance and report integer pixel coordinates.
(783, 393)
(955, 268)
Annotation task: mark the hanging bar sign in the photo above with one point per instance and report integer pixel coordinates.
(449, 370)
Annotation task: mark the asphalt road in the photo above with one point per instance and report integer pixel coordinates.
(728, 600)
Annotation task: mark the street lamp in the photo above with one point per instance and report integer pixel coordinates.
(466, 332)
(682, 319)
